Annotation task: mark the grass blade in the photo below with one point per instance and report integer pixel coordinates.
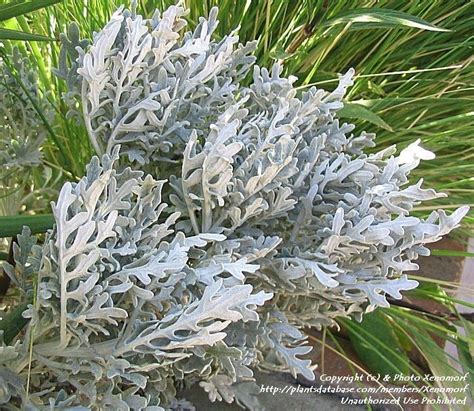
(10, 10)
(7, 34)
(377, 17)
(356, 111)
(12, 225)
(377, 345)
(451, 253)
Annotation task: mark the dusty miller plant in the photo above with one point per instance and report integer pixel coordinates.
(22, 133)
(215, 223)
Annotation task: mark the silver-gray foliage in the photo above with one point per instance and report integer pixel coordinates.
(22, 130)
(210, 200)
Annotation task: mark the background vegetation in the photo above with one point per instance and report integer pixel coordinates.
(414, 80)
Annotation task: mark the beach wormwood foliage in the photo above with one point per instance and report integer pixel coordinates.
(215, 223)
